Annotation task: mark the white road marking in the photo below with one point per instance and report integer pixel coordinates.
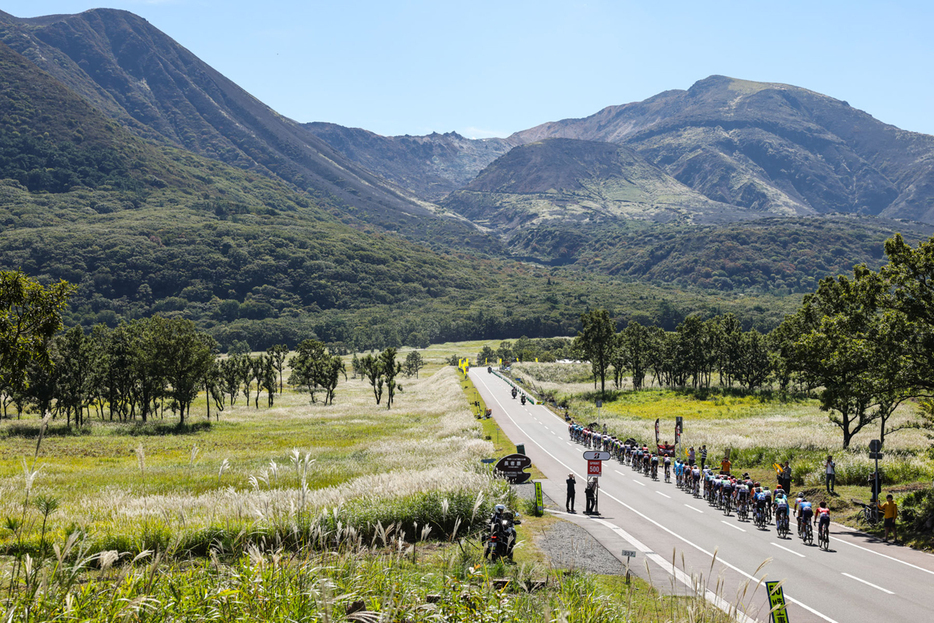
(866, 549)
(668, 530)
(724, 521)
(853, 577)
(788, 550)
(553, 433)
(641, 484)
(696, 510)
(663, 495)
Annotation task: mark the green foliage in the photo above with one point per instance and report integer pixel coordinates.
(314, 368)
(30, 315)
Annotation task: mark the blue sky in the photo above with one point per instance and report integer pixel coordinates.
(486, 68)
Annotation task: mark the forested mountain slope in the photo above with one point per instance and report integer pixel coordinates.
(143, 228)
(140, 77)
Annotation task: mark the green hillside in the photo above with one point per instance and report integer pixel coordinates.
(778, 255)
(249, 258)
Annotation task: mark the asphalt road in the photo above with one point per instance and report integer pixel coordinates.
(859, 579)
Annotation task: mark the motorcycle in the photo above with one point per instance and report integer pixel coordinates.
(522, 400)
(502, 537)
(489, 370)
(515, 392)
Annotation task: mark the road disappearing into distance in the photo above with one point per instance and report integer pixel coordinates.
(690, 546)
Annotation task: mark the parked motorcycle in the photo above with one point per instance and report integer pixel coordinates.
(501, 540)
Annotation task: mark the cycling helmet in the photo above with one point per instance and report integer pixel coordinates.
(756, 485)
(778, 488)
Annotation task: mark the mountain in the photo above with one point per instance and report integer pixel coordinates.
(770, 148)
(141, 78)
(429, 166)
(575, 181)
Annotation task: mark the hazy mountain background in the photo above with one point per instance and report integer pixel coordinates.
(132, 168)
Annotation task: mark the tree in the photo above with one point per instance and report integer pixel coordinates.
(30, 315)
(314, 368)
(374, 373)
(187, 357)
(413, 363)
(838, 349)
(752, 366)
(390, 368)
(635, 342)
(278, 353)
(267, 378)
(596, 341)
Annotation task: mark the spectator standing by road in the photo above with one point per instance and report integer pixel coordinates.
(831, 470)
(691, 456)
(569, 504)
(591, 492)
(786, 477)
(889, 513)
(703, 456)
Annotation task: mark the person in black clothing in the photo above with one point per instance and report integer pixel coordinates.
(569, 505)
(703, 456)
(591, 492)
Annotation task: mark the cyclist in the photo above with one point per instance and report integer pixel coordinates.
(781, 506)
(667, 468)
(695, 478)
(805, 512)
(760, 504)
(655, 467)
(823, 519)
(768, 502)
(742, 497)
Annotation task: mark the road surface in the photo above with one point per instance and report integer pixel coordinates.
(859, 579)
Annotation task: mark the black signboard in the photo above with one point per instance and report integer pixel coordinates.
(513, 467)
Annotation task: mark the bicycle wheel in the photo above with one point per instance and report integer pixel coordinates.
(809, 535)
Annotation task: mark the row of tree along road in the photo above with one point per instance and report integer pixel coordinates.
(864, 344)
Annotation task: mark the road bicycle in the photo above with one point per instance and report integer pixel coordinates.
(807, 534)
(654, 471)
(823, 537)
(760, 518)
(726, 505)
(668, 473)
(869, 515)
(782, 526)
(742, 512)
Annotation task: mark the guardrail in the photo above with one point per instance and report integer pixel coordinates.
(518, 388)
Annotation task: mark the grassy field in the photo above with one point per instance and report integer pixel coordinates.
(757, 429)
(251, 467)
(298, 512)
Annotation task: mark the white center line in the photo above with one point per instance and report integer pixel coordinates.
(868, 584)
(619, 472)
(641, 484)
(553, 433)
(696, 510)
(663, 495)
(731, 525)
(788, 550)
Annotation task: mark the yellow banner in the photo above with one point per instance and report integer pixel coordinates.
(777, 602)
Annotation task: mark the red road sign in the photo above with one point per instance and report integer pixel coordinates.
(594, 468)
